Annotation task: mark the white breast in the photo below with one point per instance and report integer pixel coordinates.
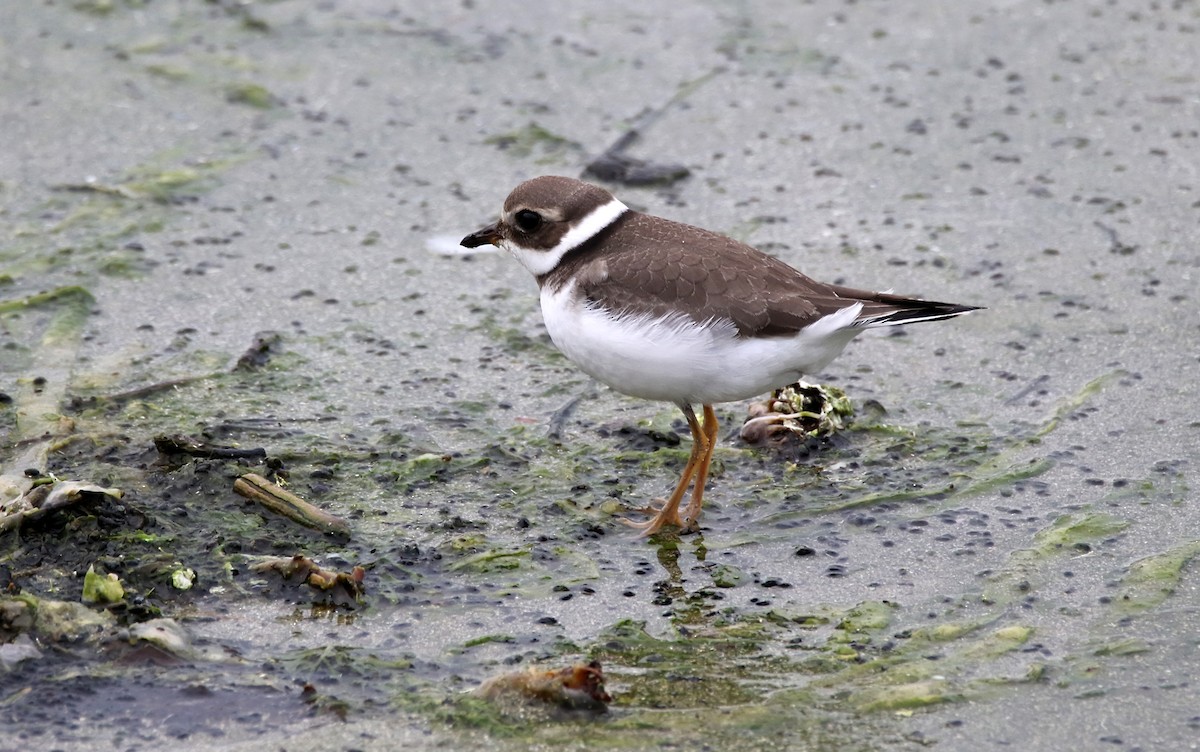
(674, 359)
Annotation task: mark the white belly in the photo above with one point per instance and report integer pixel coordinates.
(674, 359)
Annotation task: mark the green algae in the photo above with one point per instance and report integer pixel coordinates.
(53, 621)
(1151, 580)
(168, 185)
(98, 228)
(38, 407)
(754, 665)
(1087, 392)
(100, 588)
(939, 465)
(906, 696)
(407, 473)
(488, 561)
(343, 662)
(1068, 535)
(489, 639)
(771, 676)
(910, 676)
(510, 338)
(733, 666)
(727, 576)
(167, 71)
(100, 7)
(998, 642)
(661, 680)
(74, 296)
(866, 618)
(746, 711)
(1121, 648)
(945, 632)
(251, 95)
(534, 140)
(1071, 531)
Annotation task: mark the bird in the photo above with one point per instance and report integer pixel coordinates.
(669, 312)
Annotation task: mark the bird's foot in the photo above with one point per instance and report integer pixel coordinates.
(664, 515)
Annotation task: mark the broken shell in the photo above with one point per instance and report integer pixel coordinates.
(802, 409)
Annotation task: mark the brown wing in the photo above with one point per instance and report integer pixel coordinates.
(650, 265)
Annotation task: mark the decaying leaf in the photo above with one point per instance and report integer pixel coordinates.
(43, 498)
(578, 687)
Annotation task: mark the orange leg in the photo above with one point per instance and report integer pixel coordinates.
(697, 462)
(691, 516)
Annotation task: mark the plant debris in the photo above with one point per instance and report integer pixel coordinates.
(50, 621)
(577, 687)
(265, 345)
(192, 447)
(272, 496)
(341, 588)
(102, 588)
(46, 495)
(615, 166)
(801, 410)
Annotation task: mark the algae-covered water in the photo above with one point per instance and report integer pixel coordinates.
(227, 221)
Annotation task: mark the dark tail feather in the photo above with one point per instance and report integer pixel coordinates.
(926, 311)
(885, 309)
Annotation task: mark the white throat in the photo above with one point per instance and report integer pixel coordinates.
(540, 262)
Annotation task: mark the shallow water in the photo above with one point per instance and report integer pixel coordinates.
(1002, 558)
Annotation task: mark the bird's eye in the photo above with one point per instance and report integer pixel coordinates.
(528, 221)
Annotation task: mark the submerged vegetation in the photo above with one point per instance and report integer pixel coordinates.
(375, 513)
(788, 667)
(387, 524)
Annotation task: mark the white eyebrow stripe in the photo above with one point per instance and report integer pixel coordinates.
(543, 262)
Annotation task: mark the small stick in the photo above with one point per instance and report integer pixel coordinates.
(257, 488)
(181, 444)
(139, 392)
